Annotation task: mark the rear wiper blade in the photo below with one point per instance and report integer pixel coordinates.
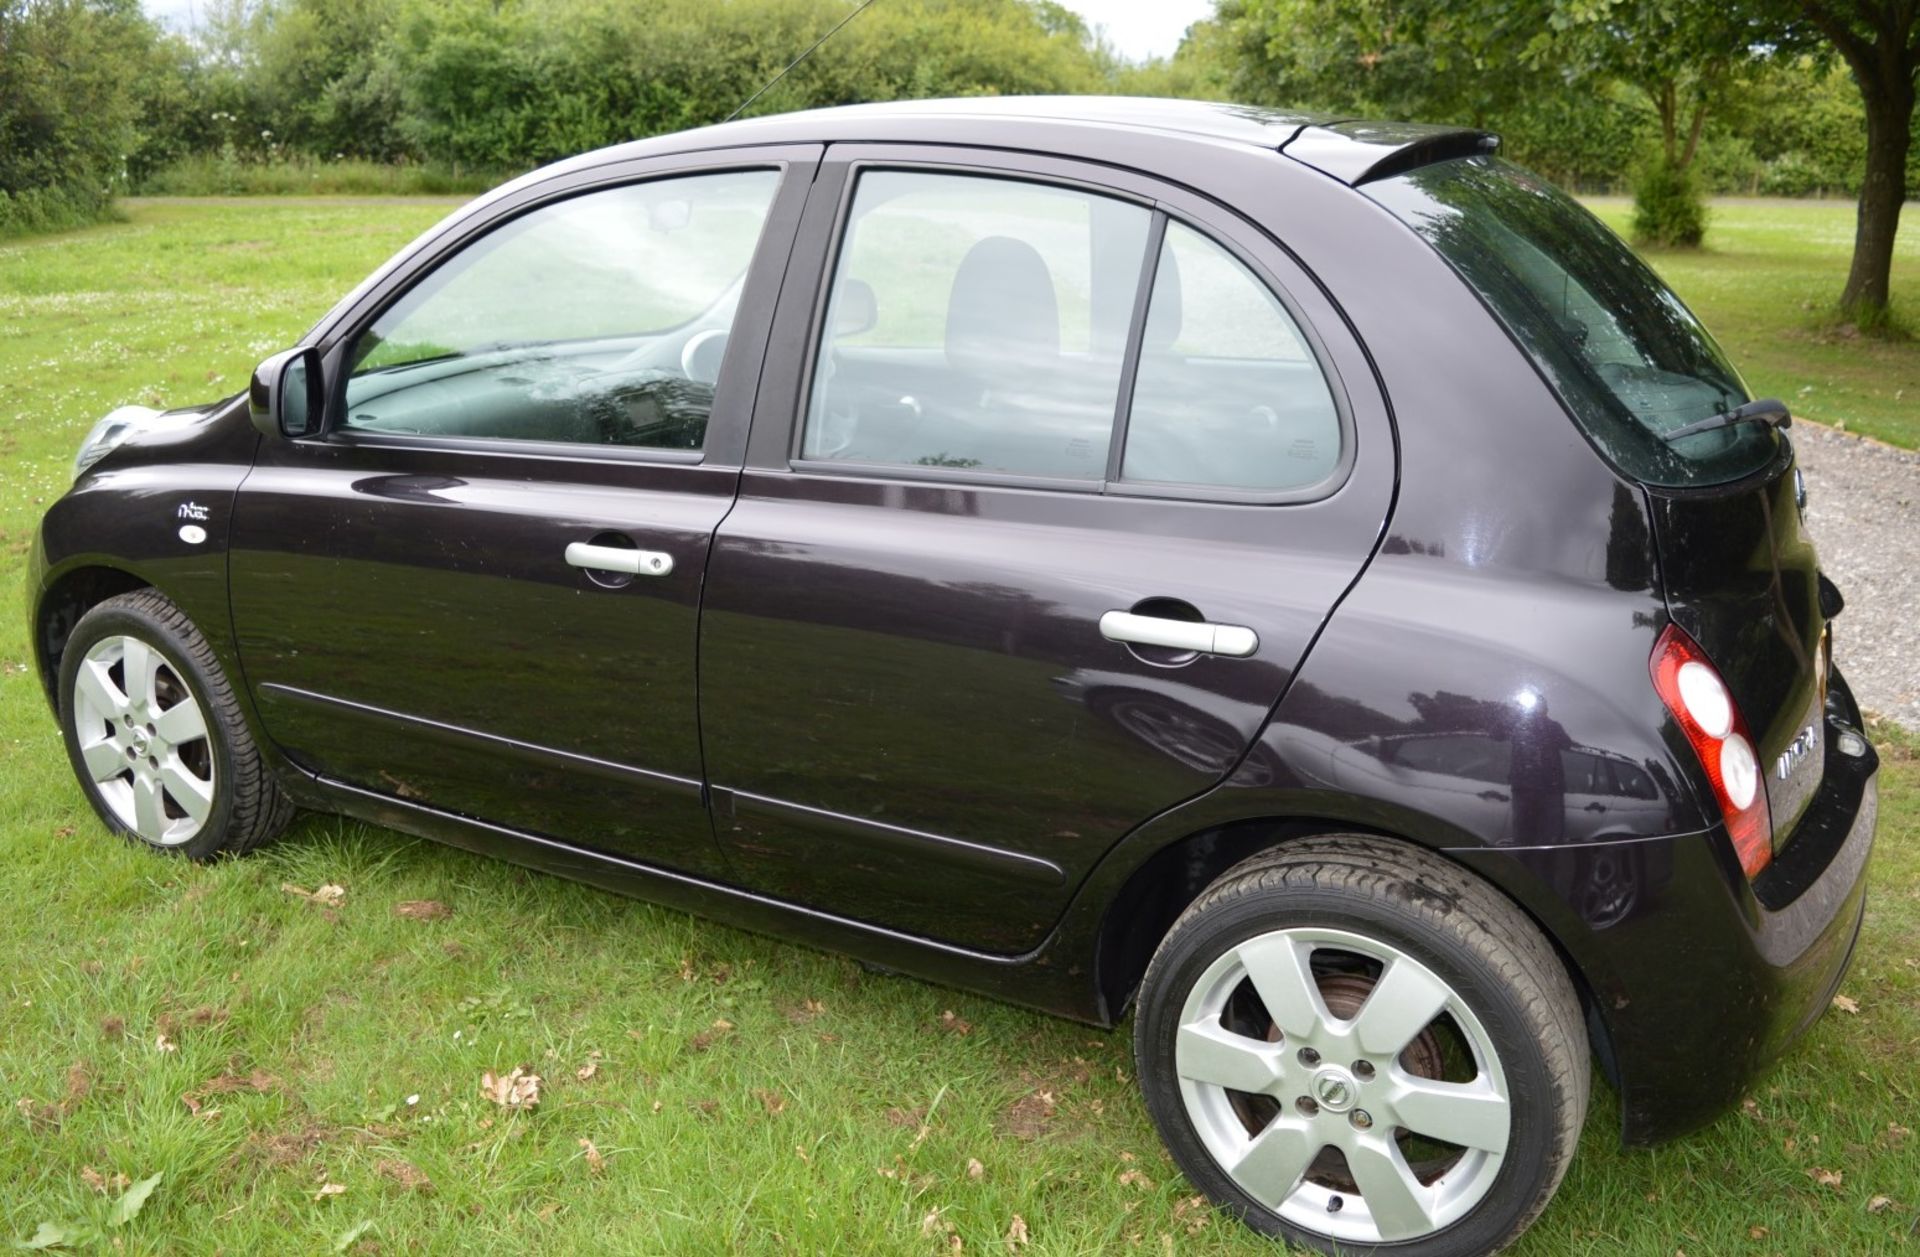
(1760, 410)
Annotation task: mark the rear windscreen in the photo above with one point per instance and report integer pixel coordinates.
(1629, 360)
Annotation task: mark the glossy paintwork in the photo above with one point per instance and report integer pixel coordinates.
(929, 638)
(915, 745)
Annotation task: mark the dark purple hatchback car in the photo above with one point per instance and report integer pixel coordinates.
(1301, 579)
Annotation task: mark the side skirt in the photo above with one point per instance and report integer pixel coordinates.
(1036, 979)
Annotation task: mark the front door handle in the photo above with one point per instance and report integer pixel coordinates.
(619, 559)
(1200, 636)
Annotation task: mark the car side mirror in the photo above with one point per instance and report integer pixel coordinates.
(286, 396)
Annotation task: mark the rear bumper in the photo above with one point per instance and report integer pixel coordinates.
(1696, 980)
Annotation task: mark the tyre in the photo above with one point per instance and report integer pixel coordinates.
(1357, 1047)
(156, 737)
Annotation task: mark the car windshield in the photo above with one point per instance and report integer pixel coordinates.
(1630, 361)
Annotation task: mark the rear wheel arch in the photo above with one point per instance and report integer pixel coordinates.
(1167, 882)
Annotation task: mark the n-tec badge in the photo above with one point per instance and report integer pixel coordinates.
(193, 510)
(1804, 741)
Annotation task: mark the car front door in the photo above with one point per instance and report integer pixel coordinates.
(1055, 472)
(478, 590)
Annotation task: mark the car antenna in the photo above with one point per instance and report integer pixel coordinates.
(864, 5)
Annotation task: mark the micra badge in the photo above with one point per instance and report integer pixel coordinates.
(193, 511)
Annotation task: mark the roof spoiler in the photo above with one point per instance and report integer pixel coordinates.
(1356, 152)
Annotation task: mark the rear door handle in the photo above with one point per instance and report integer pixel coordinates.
(1206, 638)
(619, 559)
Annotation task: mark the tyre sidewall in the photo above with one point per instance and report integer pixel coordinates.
(1200, 940)
(111, 620)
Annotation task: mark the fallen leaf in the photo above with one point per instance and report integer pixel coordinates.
(41, 1118)
(164, 1044)
(103, 1184)
(774, 1102)
(719, 1030)
(1879, 1204)
(587, 1071)
(806, 1010)
(79, 1085)
(404, 1173)
(133, 1200)
(595, 1162)
(1756, 1233)
(953, 1023)
(422, 910)
(328, 896)
(934, 1224)
(1134, 1178)
(1846, 1003)
(1895, 1132)
(329, 1189)
(516, 1090)
(1017, 1233)
(1826, 1178)
(974, 1169)
(55, 1235)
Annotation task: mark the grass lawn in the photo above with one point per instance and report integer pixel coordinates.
(307, 1078)
(1769, 272)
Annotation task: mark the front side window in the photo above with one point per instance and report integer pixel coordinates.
(598, 320)
(976, 323)
(1630, 361)
(1227, 394)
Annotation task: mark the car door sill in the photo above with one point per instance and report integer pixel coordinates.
(651, 882)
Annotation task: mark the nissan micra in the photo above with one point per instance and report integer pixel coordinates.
(1302, 581)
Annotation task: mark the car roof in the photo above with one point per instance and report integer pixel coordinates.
(1352, 150)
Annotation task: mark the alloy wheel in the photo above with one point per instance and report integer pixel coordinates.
(143, 737)
(1343, 1084)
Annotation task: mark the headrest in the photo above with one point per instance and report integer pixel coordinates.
(1002, 311)
(855, 309)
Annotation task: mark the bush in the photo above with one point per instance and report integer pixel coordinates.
(1667, 209)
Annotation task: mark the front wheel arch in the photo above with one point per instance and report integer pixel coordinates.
(67, 598)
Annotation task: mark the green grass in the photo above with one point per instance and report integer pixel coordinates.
(1766, 283)
(209, 174)
(837, 1113)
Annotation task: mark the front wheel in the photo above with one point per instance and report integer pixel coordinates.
(155, 734)
(1356, 1046)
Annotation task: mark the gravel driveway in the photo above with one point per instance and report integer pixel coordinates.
(1863, 509)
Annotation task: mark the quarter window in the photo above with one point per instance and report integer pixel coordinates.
(598, 320)
(1227, 394)
(977, 323)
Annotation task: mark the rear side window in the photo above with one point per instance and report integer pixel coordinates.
(983, 324)
(1630, 361)
(1227, 394)
(977, 323)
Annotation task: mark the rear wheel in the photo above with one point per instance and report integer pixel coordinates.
(155, 734)
(1354, 1045)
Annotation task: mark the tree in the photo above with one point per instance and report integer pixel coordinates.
(1879, 40)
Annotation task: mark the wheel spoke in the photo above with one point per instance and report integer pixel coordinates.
(140, 665)
(194, 796)
(1208, 1052)
(182, 723)
(104, 760)
(1468, 1114)
(93, 684)
(1280, 973)
(1275, 1161)
(1404, 1003)
(149, 816)
(1393, 1196)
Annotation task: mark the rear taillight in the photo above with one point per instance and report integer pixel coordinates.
(1698, 698)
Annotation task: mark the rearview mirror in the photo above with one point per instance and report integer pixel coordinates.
(285, 397)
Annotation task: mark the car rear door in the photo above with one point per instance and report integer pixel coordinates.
(1016, 408)
(478, 590)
